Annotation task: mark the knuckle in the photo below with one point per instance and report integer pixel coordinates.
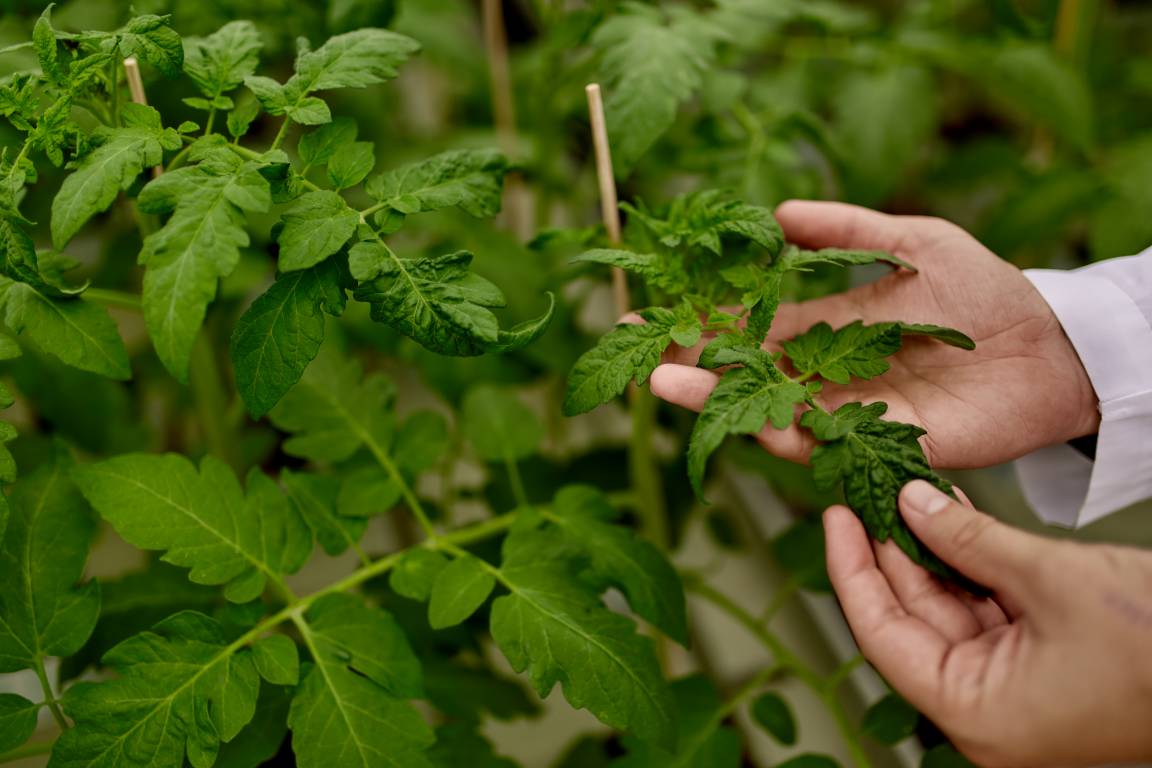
(971, 533)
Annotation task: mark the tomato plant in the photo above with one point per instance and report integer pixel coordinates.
(299, 339)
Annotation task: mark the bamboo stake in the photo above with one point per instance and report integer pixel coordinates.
(609, 205)
(504, 110)
(136, 88)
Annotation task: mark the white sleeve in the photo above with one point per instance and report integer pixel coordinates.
(1106, 310)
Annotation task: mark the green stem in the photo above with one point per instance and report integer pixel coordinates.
(114, 89)
(19, 158)
(783, 594)
(645, 471)
(211, 119)
(178, 158)
(385, 461)
(49, 695)
(516, 481)
(211, 402)
(112, 298)
(34, 749)
(280, 133)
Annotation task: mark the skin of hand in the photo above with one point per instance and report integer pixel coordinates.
(1056, 669)
(1022, 388)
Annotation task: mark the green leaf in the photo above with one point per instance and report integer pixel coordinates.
(44, 610)
(704, 218)
(318, 146)
(437, 301)
(809, 760)
(315, 500)
(627, 352)
(350, 708)
(702, 740)
(459, 590)
(650, 67)
(949, 336)
(350, 163)
(556, 629)
(77, 332)
(796, 259)
(182, 687)
(459, 744)
(945, 756)
(855, 350)
(334, 410)
(462, 691)
(219, 62)
(743, 402)
(315, 227)
(152, 39)
(368, 491)
(44, 43)
(351, 60)
(416, 572)
(420, 441)
(17, 720)
(874, 459)
(623, 559)
(890, 720)
(261, 740)
(196, 247)
(774, 715)
(281, 333)
(309, 111)
(122, 155)
(644, 264)
(276, 659)
(498, 425)
(469, 179)
(240, 119)
(201, 520)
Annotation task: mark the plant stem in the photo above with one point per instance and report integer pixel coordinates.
(647, 484)
(516, 481)
(211, 119)
(280, 133)
(114, 90)
(210, 401)
(112, 298)
(49, 695)
(389, 466)
(28, 750)
(178, 158)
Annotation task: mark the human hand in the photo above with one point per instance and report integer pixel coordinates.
(1021, 389)
(1056, 669)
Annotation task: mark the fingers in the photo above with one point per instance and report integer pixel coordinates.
(691, 387)
(977, 545)
(923, 596)
(815, 224)
(906, 650)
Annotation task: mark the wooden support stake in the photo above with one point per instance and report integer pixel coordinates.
(136, 88)
(609, 205)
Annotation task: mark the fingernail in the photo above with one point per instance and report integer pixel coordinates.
(923, 497)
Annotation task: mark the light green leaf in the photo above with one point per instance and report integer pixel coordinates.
(318, 146)
(704, 218)
(315, 227)
(555, 628)
(459, 590)
(277, 660)
(182, 688)
(201, 520)
(625, 353)
(315, 500)
(416, 572)
(309, 111)
(44, 611)
(773, 714)
(199, 244)
(890, 720)
(469, 179)
(498, 425)
(351, 60)
(281, 333)
(334, 410)
(643, 264)
(623, 559)
(77, 332)
(17, 720)
(121, 156)
(350, 163)
(219, 62)
(350, 708)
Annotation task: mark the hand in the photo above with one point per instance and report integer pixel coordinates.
(1057, 669)
(1021, 389)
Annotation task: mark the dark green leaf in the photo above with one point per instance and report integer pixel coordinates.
(702, 740)
(945, 756)
(318, 147)
(458, 744)
(315, 227)
(471, 180)
(152, 39)
(890, 720)
(219, 62)
(602, 373)
(17, 720)
(416, 572)
(276, 659)
(809, 760)
(315, 500)
(459, 590)
(855, 350)
(350, 163)
(774, 715)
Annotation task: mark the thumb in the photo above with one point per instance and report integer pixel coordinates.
(979, 546)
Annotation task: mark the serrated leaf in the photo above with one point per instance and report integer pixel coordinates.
(309, 111)
(498, 425)
(182, 688)
(856, 350)
(773, 714)
(277, 660)
(702, 740)
(261, 740)
(460, 744)
(152, 39)
(351, 60)
(644, 264)
(623, 559)
(628, 352)
(459, 590)
(949, 336)
(650, 67)
(334, 410)
(796, 259)
(318, 146)
(874, 459)
(281, 333)
(743, 402)
(219, 62)
(315, 500)
(556, 629)
(703, 218)
(465, 692)
(79, 333)
(316, 226)
(201, 520)
(196, 247)
(890, 720)
(17, 720)
(416, 572)
(122, 155)
(351, 163)
(44, 610)
(350, 708)
(469, 179)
